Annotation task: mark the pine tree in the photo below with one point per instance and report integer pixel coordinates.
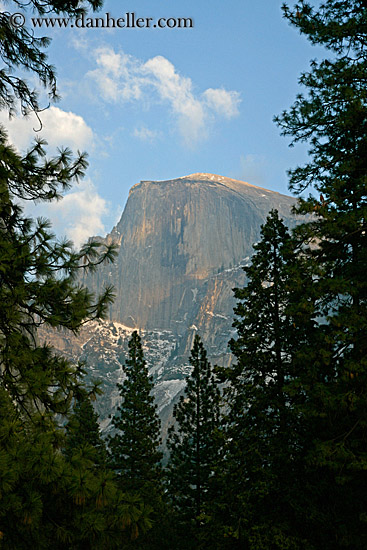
(38, 282)
(20, 48)
(83, 429)
(38, 274)
(45, 500)
(93, 507)
(262, 463)
(193, 442)
(134, 446)
(331, 116)
(25, 450)
(38, 285)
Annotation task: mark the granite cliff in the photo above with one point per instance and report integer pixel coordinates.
(182, 245)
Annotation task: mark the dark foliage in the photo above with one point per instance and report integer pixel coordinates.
(193, 442)
(134, 447)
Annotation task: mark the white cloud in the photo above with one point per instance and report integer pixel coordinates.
(108, 87)
(59, 128)
(144, 134)
(177, 90)
(118, 75)
(110, 61)
(225, 103)
(77, 216)
(80, 42)
(121, 78)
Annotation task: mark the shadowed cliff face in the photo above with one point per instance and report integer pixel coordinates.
(175, 236)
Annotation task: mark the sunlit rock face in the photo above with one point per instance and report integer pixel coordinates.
(175, 238)
(182, 246)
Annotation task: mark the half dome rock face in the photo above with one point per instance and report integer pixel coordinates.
(179, 240)
(182, 246)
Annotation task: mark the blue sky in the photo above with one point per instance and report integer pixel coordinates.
(163, 103)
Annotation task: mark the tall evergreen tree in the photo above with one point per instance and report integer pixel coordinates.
(263, 427)
(38, 274)
(83, 428)
(38, 281)
(193, 441)
(134, 446)
(331, 116)
(45, 501)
